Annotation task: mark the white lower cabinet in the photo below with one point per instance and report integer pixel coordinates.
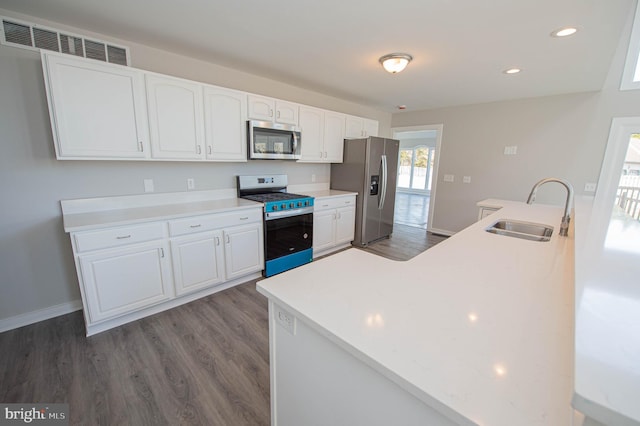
(243, 250)
(120, 280)
(129, 272)
(333, 223)
(198, 261)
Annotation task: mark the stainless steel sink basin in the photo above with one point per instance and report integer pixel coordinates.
(523, 230)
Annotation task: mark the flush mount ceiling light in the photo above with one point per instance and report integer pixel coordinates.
(564, 32)
(512, 71)
(395, 62)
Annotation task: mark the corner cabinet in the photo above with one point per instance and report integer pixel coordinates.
(129, 272)
(333, 223)
(97, 111)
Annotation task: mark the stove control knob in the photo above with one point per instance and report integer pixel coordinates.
(283, 206)
(291, 205)
(306, 202)
(275, 207)
(299, 203)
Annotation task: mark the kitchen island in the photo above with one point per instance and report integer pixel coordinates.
(477, 330)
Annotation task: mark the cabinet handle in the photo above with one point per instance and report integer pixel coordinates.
(199, 150)
(217, 241)
(278, 114)
(325, 205)
(141, 146)
(228, 239)
(209, 149)
(122, 237)
(270, 112)
(339, 215)
(195, 226)
(161, 252)
(244, 218)
(325, 154)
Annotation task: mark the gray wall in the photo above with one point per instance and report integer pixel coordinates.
(561, 136)
(36, 264)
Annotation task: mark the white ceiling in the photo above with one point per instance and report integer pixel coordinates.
(460, 47)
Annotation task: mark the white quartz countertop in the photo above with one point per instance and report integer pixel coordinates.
(607, 304)
(479, 327)
(85, 214)
(326, 193)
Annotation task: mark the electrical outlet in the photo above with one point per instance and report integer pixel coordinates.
(191, 184)
(466, 179)
(313, 178)
(285, 319)
(510, 150)
(148, 185)
(590, 187)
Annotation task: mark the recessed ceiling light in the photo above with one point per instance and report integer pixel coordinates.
(564, 32)
(512, 71)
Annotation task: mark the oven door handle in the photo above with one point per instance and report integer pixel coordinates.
(288, 213)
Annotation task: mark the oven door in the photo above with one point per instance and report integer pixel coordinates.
(288, 235)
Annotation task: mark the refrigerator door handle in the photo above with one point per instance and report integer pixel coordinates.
(383, 181)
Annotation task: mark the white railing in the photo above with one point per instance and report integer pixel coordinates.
(628, 196)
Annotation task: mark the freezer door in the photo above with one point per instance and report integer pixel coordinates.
(391, 149)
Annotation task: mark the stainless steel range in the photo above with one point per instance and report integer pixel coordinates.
(288, 221)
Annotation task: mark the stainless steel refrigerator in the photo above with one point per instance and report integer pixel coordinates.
(370, 169)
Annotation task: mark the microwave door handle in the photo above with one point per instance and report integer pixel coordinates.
(295, 142)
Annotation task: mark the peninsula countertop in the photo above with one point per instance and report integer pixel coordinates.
(480, 327)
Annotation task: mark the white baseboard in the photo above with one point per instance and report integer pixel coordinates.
(441, 232)
(28, 318)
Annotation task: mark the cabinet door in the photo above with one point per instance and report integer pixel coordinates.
(243, 250)
(97, 110)
(225, 124)
(176, 118)
(198, 261)
(353, 127)
(261, 108)
(370, 128)
(286, 112)
(345, 224)
(324, 232)
(333, 136)
(123, 280)
(312, 134)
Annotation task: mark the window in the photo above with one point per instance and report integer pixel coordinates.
(415, 168)
(631, 73)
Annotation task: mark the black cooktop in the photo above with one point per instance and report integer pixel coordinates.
(273, 196)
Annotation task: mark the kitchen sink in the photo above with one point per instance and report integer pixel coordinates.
(523, 230)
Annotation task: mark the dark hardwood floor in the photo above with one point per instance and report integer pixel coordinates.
(404, 243)
(203, 363)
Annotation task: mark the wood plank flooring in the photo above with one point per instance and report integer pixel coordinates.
(203, 363)
(404, 243)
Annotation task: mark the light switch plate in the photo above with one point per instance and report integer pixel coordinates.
(590, 187)
(510, 150)
(466, 179)
(191, 184)
(449, 178)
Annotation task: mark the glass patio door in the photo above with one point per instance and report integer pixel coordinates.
(415, 168)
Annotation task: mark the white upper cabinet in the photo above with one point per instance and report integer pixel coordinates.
(97, 110)
(358, 127)
(312, 134)
(274, 110)
(333, 136)
(225, 124)
(322, 135)
(176, 118)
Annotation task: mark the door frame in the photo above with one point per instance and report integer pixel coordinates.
(434, 183)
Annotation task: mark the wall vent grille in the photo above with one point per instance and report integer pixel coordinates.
(17, 33)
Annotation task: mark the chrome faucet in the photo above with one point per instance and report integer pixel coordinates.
(564, 225)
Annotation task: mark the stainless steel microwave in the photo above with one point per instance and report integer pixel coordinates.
(273, 141)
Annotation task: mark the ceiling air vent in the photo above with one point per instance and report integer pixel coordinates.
(35, 37)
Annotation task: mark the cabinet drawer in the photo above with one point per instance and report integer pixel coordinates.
(114, 237)
(334, 202)
(213, 221)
